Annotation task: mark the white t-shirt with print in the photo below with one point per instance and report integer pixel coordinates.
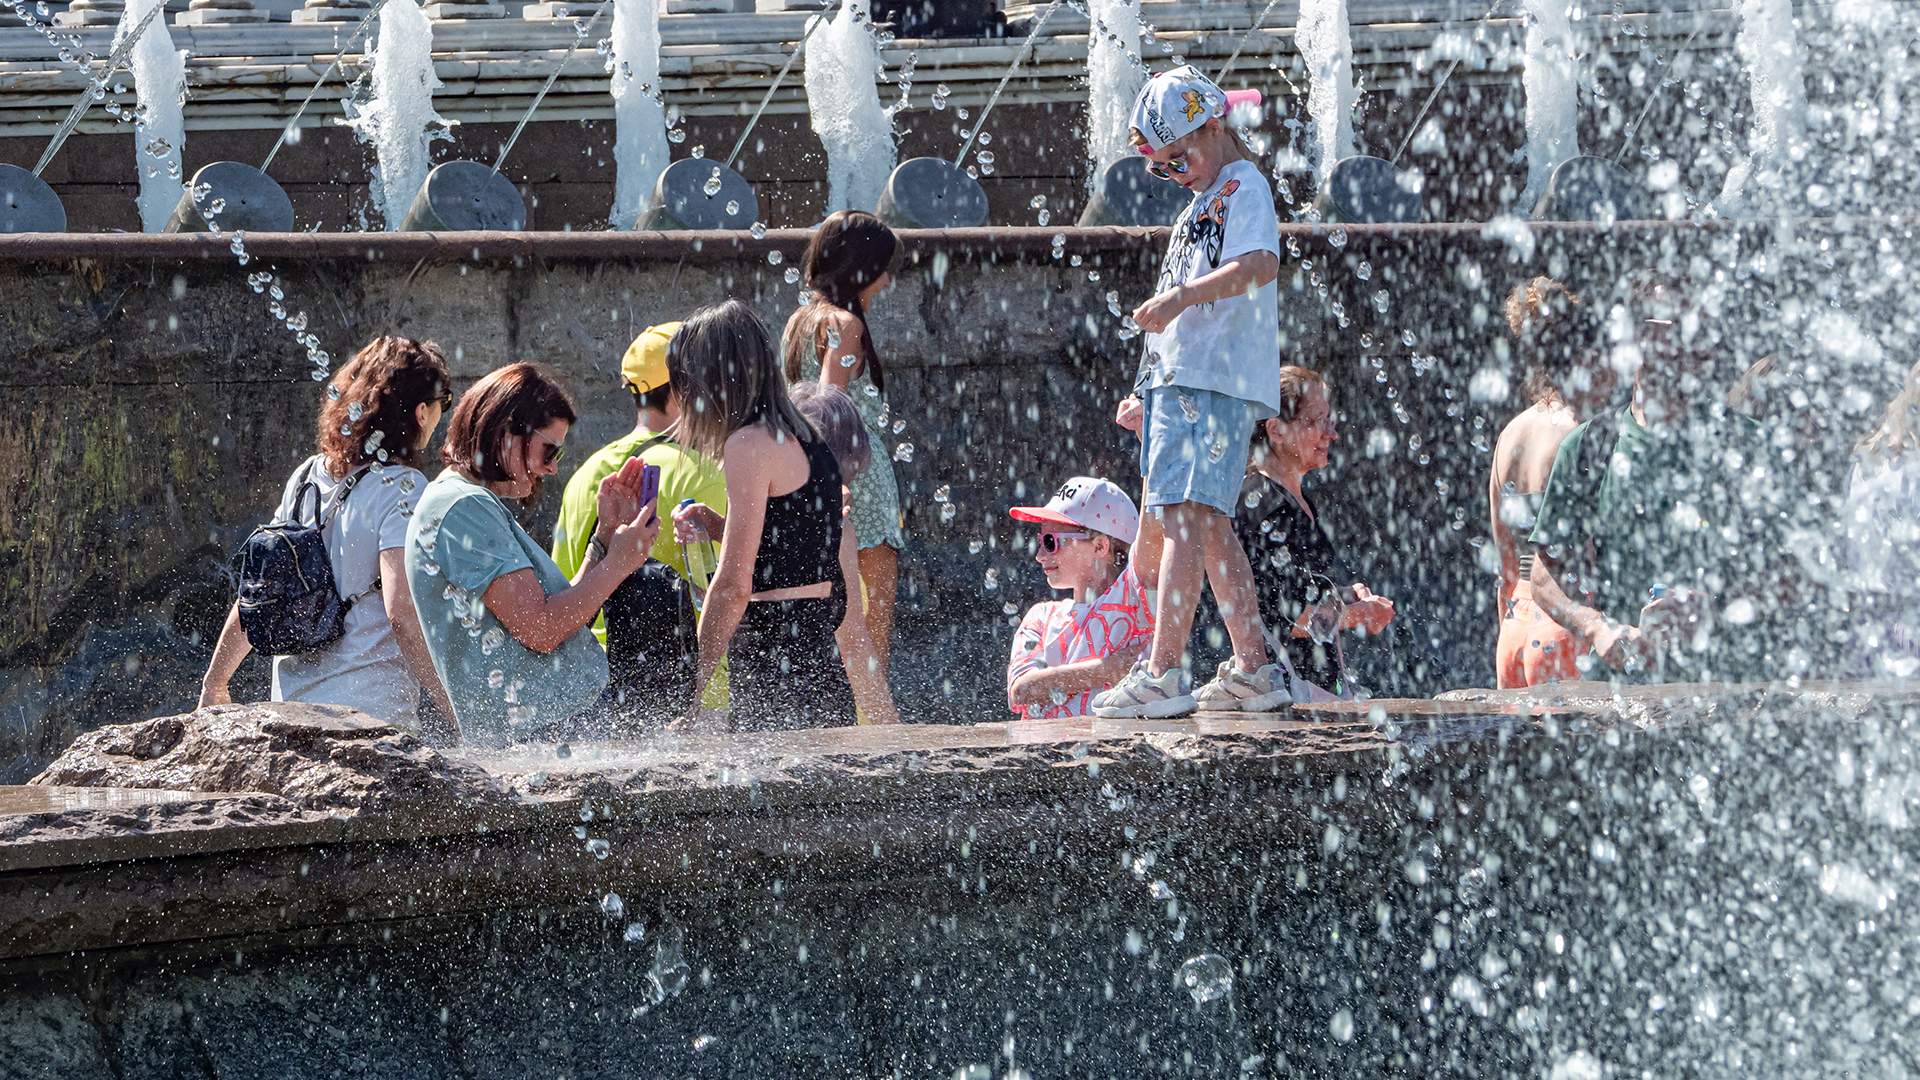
(1230, 346)
(364, 668)
(1057, 632)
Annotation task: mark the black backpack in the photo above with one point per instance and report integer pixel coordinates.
(652, 649)
(288, 601)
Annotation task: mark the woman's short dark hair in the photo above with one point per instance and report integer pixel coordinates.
(833, 415)
(518, 399)
(370, 412)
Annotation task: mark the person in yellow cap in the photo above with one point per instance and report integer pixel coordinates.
(684, 474)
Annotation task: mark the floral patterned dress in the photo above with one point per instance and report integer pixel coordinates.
(876, 494)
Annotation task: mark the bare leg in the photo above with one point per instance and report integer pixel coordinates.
(1182, 573)
(1147, 546)
(880, 576)
(1230, 575)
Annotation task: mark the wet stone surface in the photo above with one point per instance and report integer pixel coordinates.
(1417, 888)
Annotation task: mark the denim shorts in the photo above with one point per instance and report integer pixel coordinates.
(1195, 446)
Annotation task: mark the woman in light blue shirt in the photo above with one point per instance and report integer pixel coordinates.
(509, 634)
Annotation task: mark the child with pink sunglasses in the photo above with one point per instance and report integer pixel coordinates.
(1067, 650)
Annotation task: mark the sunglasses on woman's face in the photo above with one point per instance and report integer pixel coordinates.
(550, 452)
(1051, 542)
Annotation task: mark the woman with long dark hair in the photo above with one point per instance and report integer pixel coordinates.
(380, 412)
(511, 637)
(848, 263)
(783, 606)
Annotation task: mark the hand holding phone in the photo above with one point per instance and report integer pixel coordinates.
(649, 484)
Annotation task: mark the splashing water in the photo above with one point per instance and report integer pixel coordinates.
(1552, 97)
(1114, 76)
(1774, 64)
(1327, 47)
(398, 118)
(843, 101)
(160, 82)
(640, 147)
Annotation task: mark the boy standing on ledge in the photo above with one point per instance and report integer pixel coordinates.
(1212, 332)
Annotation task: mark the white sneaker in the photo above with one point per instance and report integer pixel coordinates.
(1139, 694)
(1233, 690)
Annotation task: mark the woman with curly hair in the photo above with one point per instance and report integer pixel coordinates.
(380, 412)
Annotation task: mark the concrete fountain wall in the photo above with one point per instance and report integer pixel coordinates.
(1699, 881)
(156, 408)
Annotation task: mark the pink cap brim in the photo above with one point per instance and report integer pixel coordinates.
(1043, 516)
(1243, 97)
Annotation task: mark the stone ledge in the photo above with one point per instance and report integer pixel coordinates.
(476, 831)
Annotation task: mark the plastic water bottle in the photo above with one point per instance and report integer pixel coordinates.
(697, 593)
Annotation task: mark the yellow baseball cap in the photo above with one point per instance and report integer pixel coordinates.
(644, 368)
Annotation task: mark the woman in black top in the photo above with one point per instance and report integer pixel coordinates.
(1306, 595)
(785, 592)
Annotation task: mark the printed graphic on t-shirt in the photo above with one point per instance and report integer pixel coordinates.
(1057, 632)
(1203, 232)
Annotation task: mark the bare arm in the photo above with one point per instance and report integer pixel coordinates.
(748, 487)
(543, 623)
(870, 690)
(397, 595)
(1237, 277)
(228, 652)
(840, 364)
(1616, 643)
(1037, 687)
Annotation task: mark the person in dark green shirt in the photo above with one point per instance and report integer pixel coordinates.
(1660, 537)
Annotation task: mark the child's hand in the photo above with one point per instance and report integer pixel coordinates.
(1129, 414)
(1154, 315)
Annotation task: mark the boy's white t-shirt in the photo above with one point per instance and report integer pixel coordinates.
(364, 668)
(1230, 346)
(1057, 632)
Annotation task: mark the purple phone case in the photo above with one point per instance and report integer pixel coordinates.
(649, 484)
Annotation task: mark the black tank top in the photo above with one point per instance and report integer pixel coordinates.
(800, 542)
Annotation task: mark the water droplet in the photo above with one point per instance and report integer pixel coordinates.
(758, 230)
(993, 580)
(635, 933)
(733, 207)
(712, 186)
(793, 275)
(1160, 890)
(676, 136)
(899, 426)
(1208, 977)
(1338, 238)
(217, 206)
(974, 546)
(497, 679)
(599, 848)
(903, 452)
(1342, 1025)
(775, 258)
(612, 906)
(430, 568)
(491, 641)
(1009, 608)
(355, 411)
(943, 493)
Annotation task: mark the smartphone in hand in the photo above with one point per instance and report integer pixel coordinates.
(649, 484)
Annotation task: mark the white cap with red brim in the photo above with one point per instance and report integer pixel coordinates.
(1175, 103)
(1087, 502)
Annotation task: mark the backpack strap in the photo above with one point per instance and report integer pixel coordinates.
(300, 493)
(346, 489)
(650, 442)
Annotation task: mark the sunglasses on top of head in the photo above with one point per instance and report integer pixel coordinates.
(1053, 540)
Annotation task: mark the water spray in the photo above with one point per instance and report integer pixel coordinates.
(338, 57)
